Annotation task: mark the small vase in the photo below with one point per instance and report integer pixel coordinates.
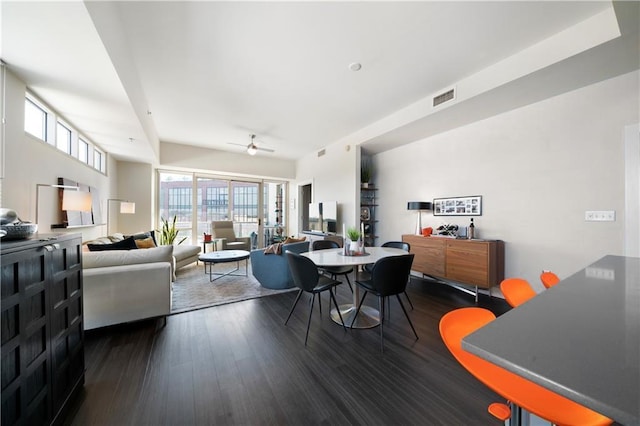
(354, 247)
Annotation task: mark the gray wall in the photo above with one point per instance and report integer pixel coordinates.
(538, 169)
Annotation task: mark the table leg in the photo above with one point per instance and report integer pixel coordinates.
(368, 317)
(219, 275)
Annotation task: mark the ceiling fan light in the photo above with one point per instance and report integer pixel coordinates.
(251, 149)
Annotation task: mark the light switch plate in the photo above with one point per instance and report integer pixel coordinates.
(600, 215)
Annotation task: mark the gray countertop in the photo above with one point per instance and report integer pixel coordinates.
(580, 338)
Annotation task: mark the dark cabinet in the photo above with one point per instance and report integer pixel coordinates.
(42, 328)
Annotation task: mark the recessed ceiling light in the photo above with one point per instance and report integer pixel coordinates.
(355, 66)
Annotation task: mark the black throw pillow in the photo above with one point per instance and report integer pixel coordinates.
(126, 244)
(145, 235)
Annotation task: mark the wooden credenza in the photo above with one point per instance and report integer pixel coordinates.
(42, 329)
(478, 263)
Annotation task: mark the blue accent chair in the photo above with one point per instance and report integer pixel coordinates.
(272, 270)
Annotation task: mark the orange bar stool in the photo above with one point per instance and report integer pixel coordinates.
(522, 393)
(516, 291)
(549, 279)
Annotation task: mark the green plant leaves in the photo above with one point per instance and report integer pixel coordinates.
(169, 233)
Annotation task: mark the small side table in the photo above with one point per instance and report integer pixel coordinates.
(213, 243)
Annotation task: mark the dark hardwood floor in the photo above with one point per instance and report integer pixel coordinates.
(238, 364)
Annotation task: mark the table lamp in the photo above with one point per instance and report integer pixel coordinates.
(419, 206)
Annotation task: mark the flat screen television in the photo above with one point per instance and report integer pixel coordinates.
(323, 217)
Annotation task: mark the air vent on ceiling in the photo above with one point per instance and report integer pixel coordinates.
(321, 152)
(444, 97)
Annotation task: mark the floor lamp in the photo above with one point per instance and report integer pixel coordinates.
(72, 200)
(126, 207)
(419, 206)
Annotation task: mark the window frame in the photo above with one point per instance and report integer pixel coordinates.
(45, 118)
(67, 146)
(51, 123)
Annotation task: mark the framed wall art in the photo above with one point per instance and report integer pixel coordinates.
(365, 214)
(458, 206)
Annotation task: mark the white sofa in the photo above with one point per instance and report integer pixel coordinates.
(126, 285)
(183, 254)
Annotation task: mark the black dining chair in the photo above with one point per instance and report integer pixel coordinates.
(389, 277)
(305, 276)
(333, 271)
(399, 245)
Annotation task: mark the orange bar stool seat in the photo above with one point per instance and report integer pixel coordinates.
(549, 279)
(561, 411)
(516, 291)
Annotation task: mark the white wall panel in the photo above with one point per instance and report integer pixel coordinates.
(538, 169)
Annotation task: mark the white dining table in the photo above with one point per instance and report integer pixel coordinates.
(369, 316)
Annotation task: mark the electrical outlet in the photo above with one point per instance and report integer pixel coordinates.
(600, 273)
(600, 215)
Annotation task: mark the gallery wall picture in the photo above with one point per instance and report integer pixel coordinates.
(458, 206)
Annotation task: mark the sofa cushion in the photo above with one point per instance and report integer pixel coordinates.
(144, 236)
(184, 251)
(145, 243)
(100, 259)
(126, 244)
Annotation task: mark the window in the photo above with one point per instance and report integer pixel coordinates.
(63, 138)
(83, 151)
(97, 160)
(43, 123)
(35, 120)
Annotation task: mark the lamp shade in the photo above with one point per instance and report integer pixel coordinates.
(418, 205)
(76, 201)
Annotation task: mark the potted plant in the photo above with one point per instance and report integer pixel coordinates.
(169, 233)
(365, 173)
(353, 234)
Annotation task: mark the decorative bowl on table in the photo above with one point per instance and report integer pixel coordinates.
(19, 230)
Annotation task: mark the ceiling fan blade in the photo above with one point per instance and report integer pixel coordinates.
(264, 149)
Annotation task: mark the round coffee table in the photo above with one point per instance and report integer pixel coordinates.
(224, 256)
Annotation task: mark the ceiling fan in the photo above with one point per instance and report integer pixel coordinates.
(252, 148)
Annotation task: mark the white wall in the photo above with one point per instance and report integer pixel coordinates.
(135, 183)
(28, 161)
(538, 169)
(210, 160)
(334, 177)
(632, 190)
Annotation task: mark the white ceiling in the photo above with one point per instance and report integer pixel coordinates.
(211, 73)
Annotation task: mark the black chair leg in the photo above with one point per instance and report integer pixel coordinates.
(381, 307)
(335, 302)
(407, 315)
(408, 300)
(358, 308)
(349, 282)
(294, 306)
(319, 304)
(309, 320)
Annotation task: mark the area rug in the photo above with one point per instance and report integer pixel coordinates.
(193, 290)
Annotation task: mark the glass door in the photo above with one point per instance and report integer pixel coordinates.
(176, 200)
(212, 203)
(274, 213)
(245, 199)
(257, 209)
